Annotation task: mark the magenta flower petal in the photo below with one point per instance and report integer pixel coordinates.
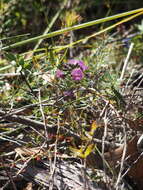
(79, 63)
(72, 61)
(77, 74)
(59, 73)
(82, 65)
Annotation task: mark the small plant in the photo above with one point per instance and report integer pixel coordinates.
(61, 108)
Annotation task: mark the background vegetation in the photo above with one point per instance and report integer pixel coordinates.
(78, 106)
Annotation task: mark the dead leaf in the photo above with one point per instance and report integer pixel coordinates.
(22, 152)
(83, 152)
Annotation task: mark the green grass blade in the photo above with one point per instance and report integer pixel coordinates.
(76, 27)
(100, 32)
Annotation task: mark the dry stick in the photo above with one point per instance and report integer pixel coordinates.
(43, 116)
(24, 166)
(9, 140)
(52, 168)
(71, 41)
(37, 124)
(103, 140)
(21, 119)
(126, 63)
(29, 159)
(122, 160)
(23, 108)
(104, 109)
(38, 132)
(9, 74)
(83, 170)
(130, 77)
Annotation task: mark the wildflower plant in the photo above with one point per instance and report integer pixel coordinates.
(73, 101)
(71, 75)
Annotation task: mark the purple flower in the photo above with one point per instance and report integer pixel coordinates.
(77, 74)
(79, 63)
(68, 93)
(59, 73)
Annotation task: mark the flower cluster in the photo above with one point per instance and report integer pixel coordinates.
(77, 73)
